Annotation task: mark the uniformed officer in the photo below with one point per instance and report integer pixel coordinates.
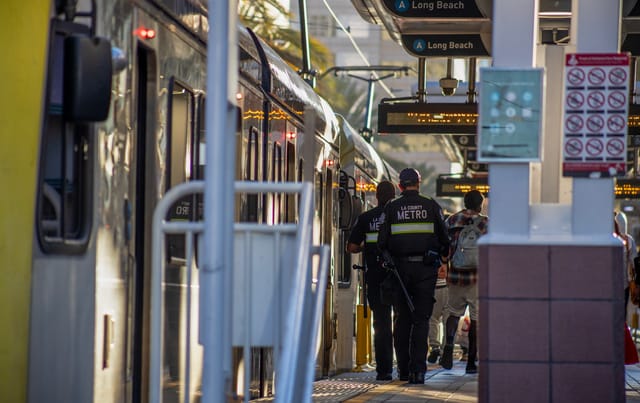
(364, 236)
(413, 232)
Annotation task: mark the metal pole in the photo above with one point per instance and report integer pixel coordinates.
(306, 72)
(367, 117)
(422, 80)
(471, 88)
(215, 274)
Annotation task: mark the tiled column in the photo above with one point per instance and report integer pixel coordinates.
(546, 315)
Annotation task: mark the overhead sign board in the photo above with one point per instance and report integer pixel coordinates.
(633, 125)
(434, 8)
(595, 114)
(510, 117)
(627, 188)
(447, 45)
(427, 118)
(452, 186)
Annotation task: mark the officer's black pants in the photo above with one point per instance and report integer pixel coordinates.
(382, 337)
(411, 331)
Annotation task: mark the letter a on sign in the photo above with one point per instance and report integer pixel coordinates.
(402, 5)
(418, 46)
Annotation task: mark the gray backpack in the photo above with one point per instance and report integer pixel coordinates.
(465, 256)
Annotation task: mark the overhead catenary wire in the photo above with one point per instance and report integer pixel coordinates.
(356, 47)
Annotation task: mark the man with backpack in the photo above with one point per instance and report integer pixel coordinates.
(465, 227)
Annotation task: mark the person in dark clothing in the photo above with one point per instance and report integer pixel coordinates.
(413, 233)
(364, 237)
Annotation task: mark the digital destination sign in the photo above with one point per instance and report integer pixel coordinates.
(627, 188)
(427, 118)
(455, 186)
(633, 120)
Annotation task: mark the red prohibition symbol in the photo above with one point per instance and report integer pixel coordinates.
(596, 76)
(573, 147)
(575, 76)
(615, 147)
(618, 76)
(594, 147)
(574, 123)
(616, 124)
(575, 100)
(596, 99)
(595, 123)
(617, 99)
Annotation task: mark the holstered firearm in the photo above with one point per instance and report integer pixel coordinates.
(390, 266)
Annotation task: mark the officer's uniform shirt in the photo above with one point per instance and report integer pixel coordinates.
(366, 229)
(412, 225)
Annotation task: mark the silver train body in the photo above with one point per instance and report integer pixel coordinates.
(99, 182)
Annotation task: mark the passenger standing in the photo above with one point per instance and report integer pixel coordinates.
(462, 280)
(413, 233)
(438, 317)
(630, 253)
(364, 236)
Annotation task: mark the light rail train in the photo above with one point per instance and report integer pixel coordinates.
(113, 117)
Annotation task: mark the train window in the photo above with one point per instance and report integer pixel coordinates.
(289, 172)
(276, 176)
(179, 164)
(66, 159)
(180, 135)
(251, 173)
(200, 142)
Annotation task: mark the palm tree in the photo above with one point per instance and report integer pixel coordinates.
(267, 18)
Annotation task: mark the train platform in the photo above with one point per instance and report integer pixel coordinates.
(451, 386)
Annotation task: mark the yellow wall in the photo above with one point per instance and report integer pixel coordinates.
(23, 38)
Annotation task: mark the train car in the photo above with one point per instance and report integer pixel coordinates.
(111, 116)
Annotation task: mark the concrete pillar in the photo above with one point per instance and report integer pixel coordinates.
(550, 277)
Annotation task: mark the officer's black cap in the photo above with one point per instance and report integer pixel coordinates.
(409, 176)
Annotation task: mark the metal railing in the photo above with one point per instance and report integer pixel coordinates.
(276, 300)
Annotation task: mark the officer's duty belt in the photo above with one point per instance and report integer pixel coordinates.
(412, 258)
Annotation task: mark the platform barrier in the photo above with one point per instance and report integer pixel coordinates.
(278, 291)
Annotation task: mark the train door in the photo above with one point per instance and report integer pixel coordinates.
(138, 210)
(324, 204)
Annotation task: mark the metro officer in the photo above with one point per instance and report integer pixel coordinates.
(364, 237)
(413, 232)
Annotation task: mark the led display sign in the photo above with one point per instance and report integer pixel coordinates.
(452, 186)
(627, 188)
(427, 118)
(633, 120)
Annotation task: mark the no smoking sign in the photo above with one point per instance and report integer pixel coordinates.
(595, 120)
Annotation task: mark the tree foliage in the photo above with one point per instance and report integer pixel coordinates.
(269, 20)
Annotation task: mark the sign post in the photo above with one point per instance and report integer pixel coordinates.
(595, 115)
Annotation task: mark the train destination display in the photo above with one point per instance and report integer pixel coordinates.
(427, 118)
(453, 186)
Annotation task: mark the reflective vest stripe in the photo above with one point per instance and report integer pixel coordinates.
(412, 228)
(372, 237)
